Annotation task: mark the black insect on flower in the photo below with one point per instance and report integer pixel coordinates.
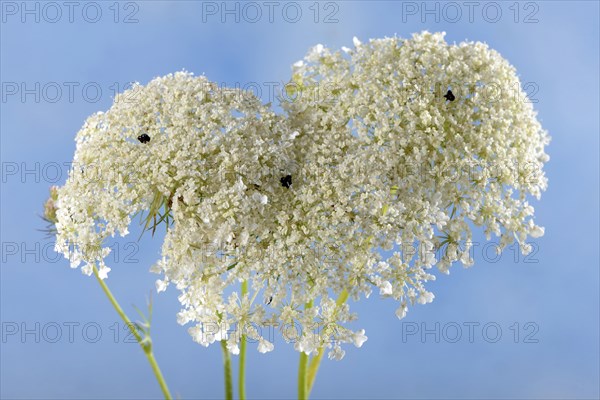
(286, 181)
(450, 96)
(143, 138)
(270, 300)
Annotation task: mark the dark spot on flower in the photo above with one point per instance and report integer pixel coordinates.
(450, 96)
(270, 300)
(286, 181)
(143, 138)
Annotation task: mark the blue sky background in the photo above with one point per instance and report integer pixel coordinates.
(556, 290)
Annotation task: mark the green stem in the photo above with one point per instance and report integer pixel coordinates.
(146, 345)
(159, 375)
(227, 370)
(315, 362)
(313, 368)
(303, 369)
(242, 370)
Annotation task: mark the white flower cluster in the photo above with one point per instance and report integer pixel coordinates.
(396, 145)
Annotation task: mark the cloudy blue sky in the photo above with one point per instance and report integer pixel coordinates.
(529, 327)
